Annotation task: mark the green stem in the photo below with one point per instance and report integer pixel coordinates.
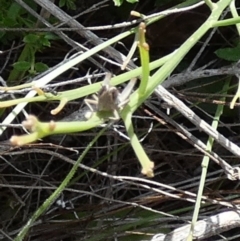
(147, 165)
(210, 4)
(205, 163)
(144, 57)
(226, 22)
(57, 192)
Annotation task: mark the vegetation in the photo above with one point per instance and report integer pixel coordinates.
(126, 167)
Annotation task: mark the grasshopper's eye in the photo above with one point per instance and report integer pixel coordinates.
(114, 94)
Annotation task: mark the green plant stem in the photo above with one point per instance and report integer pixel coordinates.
(236, 96)
(86, 90)
(144, 57)
(161, 75)
(147, 165)
(170, 64)
(226, 22)
(205, 162)
(210, 4)
(235, 14)
(177, 56)
(57, 192)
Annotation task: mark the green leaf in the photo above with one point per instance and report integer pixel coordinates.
(70, 4)
(51, 36)
(229, 54)
(31, 38)
(45, 42)
(8, 22)
(62, 3)
(132, 1)
(40, 67)
(13, 11)
(118, 2)
(22, 66)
